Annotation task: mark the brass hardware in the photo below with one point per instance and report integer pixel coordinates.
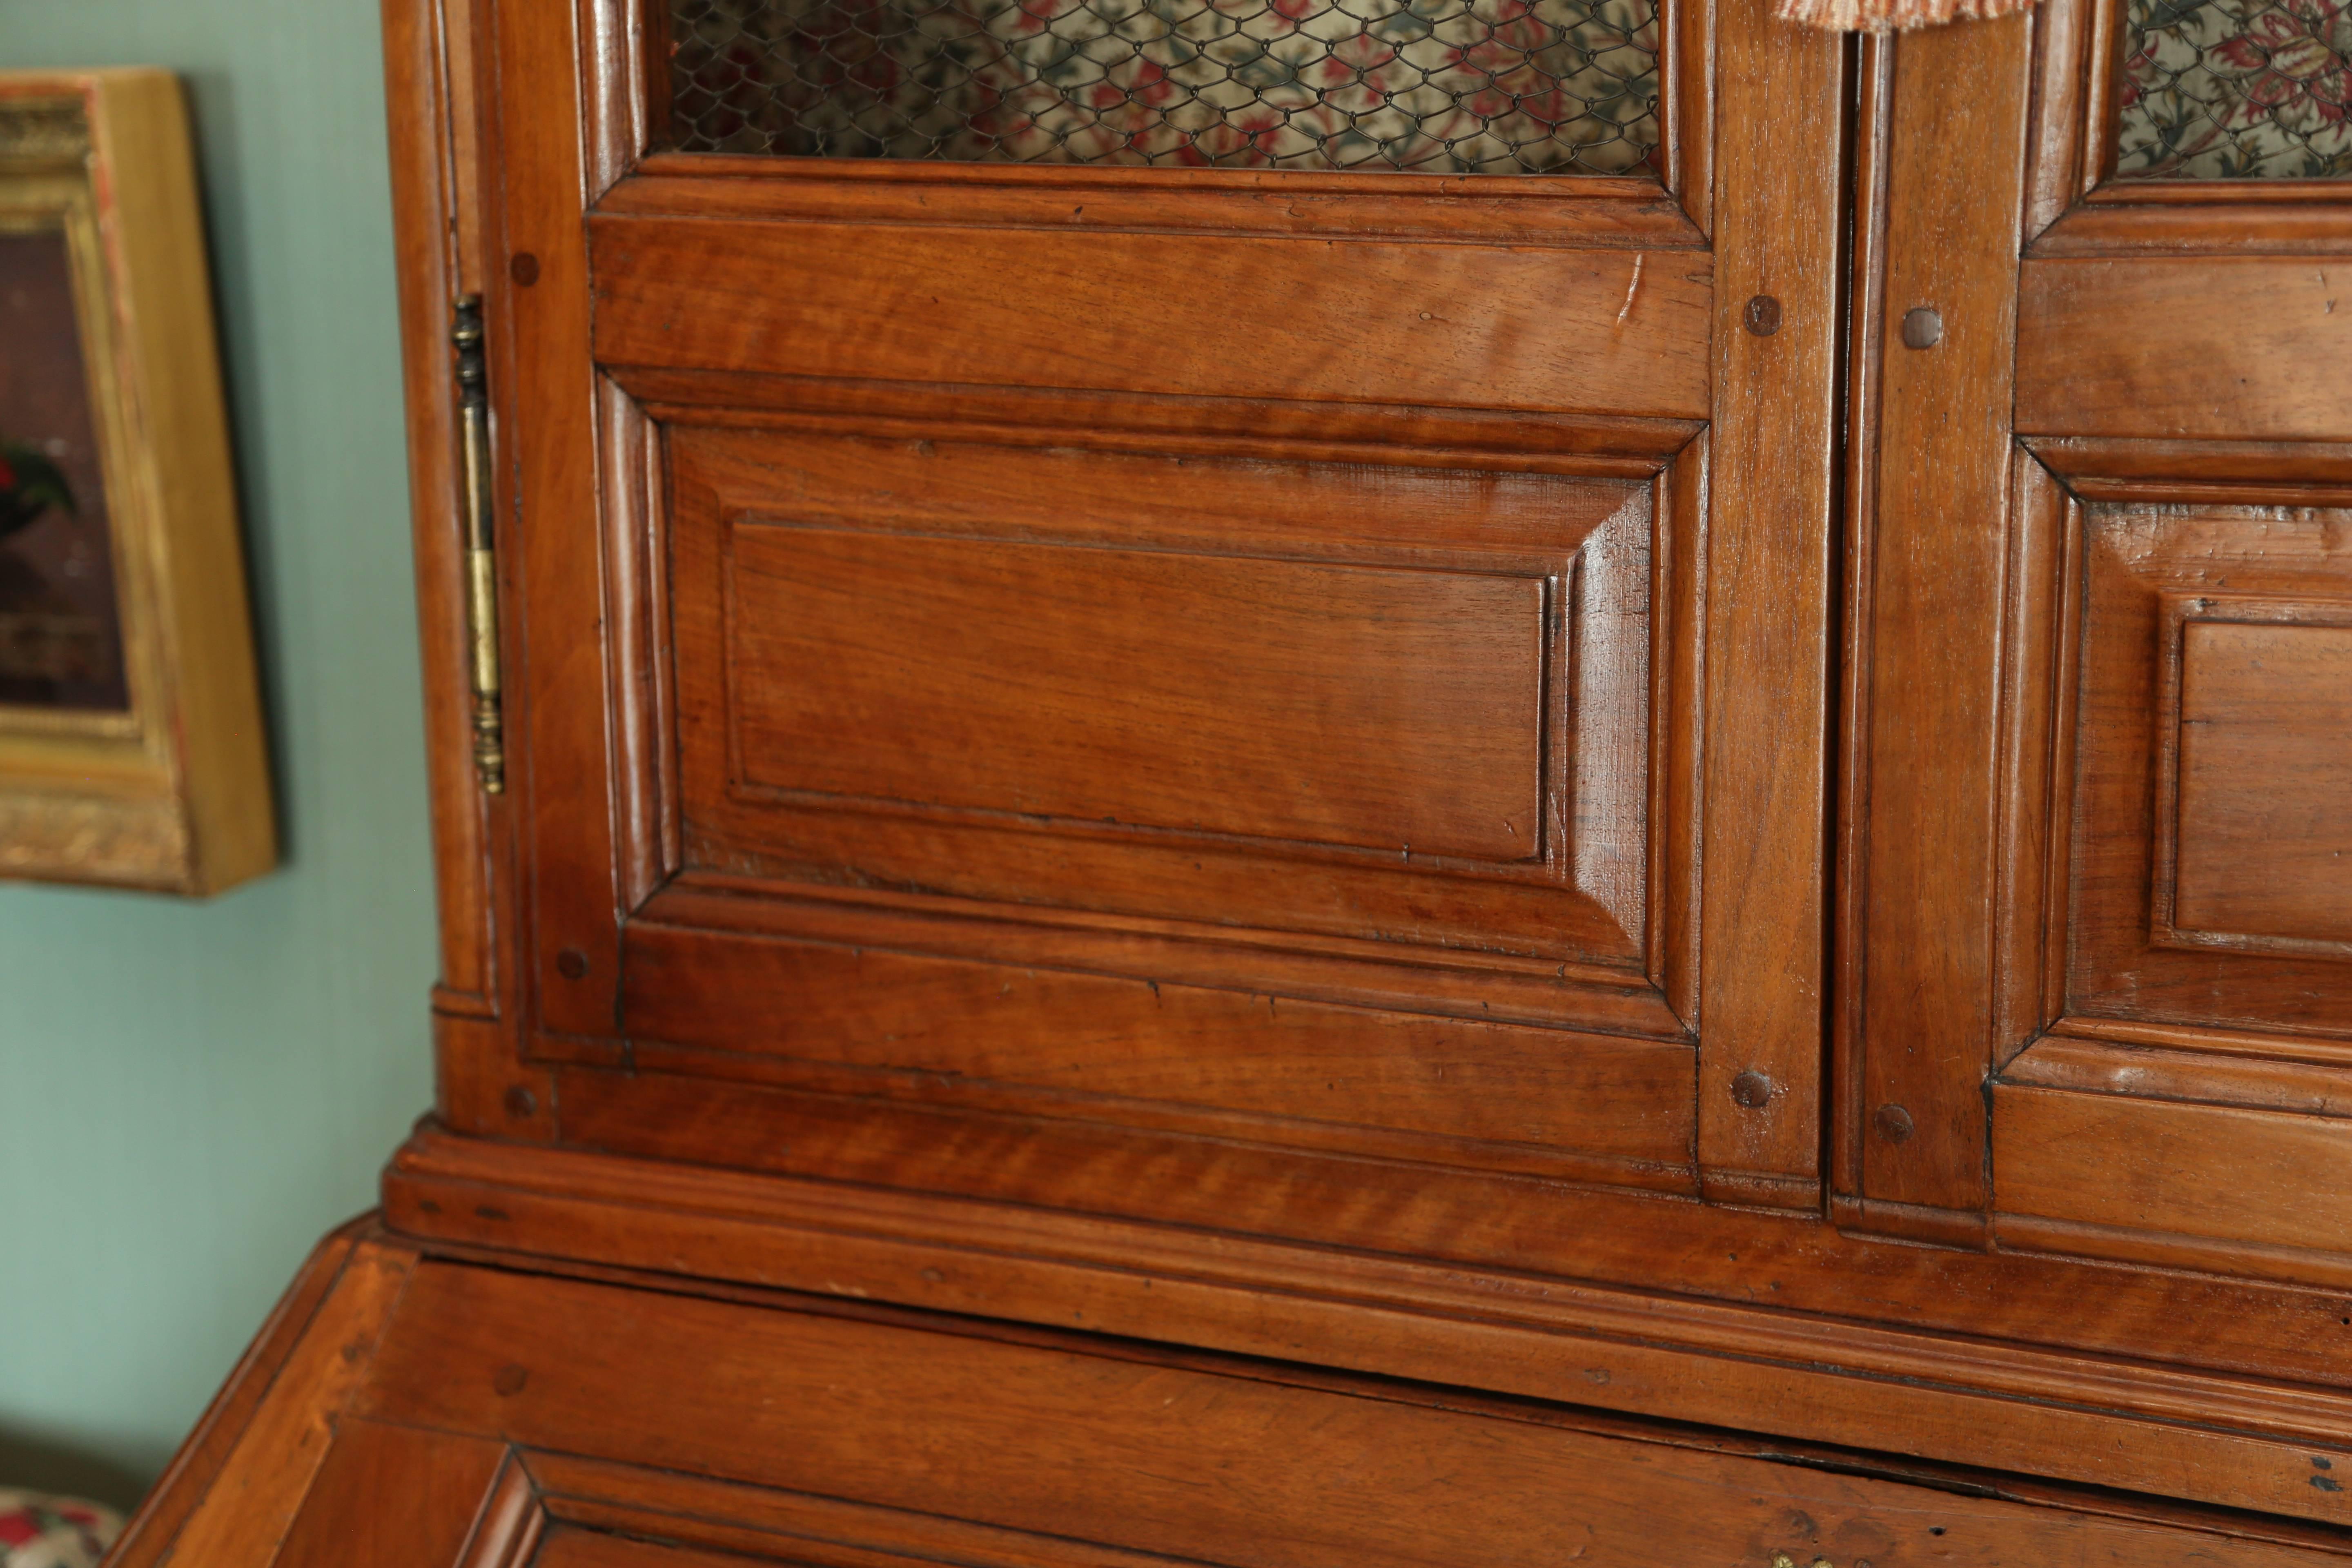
(1922, 327)
(481, 554)
(1782, 1560)
(1762, 315)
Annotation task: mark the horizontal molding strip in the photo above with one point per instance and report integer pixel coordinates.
(2063, 1414)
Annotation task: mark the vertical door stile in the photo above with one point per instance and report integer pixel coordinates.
(1929, 630)
(1779, 296)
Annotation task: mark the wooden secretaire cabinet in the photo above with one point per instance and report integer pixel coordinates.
(1383, 782)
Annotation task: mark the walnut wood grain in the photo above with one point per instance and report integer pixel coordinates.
(1369, 321)
(2223, 1172)
(557, 645)
(147, 1540)
(2150, 579)
(256, 1494)
(969, 1427)
(1455, 1324)
(2262, 784)
(858, 1021)
(434, 1484)
(789, 1428)
(1484, 1120)
(1937, 527)
(1767, 583)
(2197, 348)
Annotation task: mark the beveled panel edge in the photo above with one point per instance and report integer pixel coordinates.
(2068, 1414)
(2146, 470)
(2034, 1234)
(2285, 1043)
(1574, 445)
(779, 167)
(2312, 1079)
(2193, 192)
(513, 1519)
(2212, 223)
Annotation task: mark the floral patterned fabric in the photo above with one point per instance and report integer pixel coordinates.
(2221, 90)
(54, 1532)
(1440, 86)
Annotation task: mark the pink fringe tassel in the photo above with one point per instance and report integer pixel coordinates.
(1891, 16)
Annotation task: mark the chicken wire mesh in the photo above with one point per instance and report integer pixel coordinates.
(2220, 89)
(1437, 86)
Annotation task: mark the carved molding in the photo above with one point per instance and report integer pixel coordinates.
(43, 128)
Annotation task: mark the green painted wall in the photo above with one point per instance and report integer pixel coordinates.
(190, 1093)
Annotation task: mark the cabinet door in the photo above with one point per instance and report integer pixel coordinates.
(1216, 616)
(2101, 876)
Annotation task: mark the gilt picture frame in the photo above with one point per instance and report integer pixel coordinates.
(132, 749)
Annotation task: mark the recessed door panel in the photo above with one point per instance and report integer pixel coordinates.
(1028, 641)
(1404, 708)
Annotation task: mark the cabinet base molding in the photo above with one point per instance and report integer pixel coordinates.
(522, 1416)
(2235, 1441)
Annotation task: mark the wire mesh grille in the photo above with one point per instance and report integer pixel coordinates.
(1439, 86)
(2222, 89)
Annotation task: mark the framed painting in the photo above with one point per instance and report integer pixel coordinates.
(132, 749)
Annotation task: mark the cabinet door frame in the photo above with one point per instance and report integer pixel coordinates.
(2022, 1060)
(1738, 786)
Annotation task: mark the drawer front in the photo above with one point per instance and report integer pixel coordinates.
(485, 1416)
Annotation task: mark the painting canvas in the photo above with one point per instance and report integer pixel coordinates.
(60, 625)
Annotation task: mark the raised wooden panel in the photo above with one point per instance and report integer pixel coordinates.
(2213, 347)
(2263, 785)
(2189, 1105)
(1409, 708)
(1614, 332)
(1385, 708)
(1298, 802)
(2207, 885)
